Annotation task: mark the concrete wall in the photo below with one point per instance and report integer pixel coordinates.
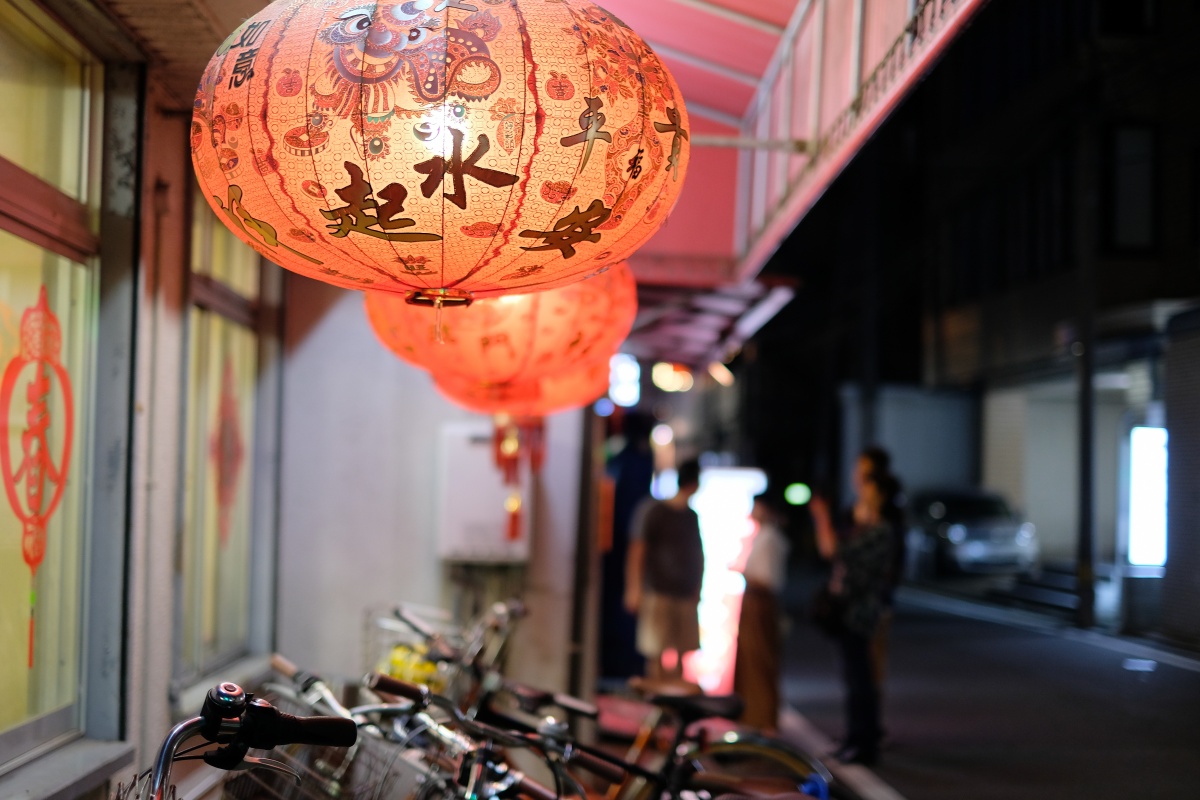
(1052, 476)
(1004, 422)
(1031, 456)
(930, 435)
(358, 521)
(1181, 583)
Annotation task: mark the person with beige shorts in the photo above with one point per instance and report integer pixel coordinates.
(663, 573)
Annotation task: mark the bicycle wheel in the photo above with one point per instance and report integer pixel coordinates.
(749, 765)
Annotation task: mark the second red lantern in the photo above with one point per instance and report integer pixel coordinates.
(539, 397)
(515, 339)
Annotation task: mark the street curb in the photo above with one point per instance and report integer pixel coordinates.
(865, 784)
(1040, 623)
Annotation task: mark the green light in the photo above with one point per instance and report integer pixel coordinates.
(797, 494)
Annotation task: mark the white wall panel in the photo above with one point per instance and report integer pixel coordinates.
(358, 519)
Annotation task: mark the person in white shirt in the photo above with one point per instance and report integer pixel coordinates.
(756, 666)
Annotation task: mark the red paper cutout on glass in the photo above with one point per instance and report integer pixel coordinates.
(35, 486)
(228, 452)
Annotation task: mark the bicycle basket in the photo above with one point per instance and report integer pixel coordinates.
(137, 789)
(394, 649)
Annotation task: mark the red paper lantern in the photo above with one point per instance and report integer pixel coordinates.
(440, 149)
(573, 388)
(515, 337)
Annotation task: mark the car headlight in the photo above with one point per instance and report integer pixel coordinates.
(956, 534)
(1026, 533)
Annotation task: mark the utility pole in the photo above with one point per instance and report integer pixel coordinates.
(1084, 350)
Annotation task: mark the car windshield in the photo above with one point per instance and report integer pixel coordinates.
(966, 508)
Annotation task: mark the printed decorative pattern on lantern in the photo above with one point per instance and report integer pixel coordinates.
(376, 48)
(259, 233)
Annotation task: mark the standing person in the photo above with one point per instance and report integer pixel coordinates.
(875, 460)
(756, 665)
(631, 471)
(664, 570)
(862, 562)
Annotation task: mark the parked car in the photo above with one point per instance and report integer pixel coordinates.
(967, 531)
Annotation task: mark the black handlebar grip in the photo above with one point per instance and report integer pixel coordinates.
(328, 731)
(267, 727)
(602, 769)
(576, 706)
(409, 691)
(528, 787)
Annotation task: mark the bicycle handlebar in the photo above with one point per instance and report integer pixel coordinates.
(416, 623)
(576, 706)
(284, 667)
(605, 770)
(409, 691)
(267, 727)
(532, 789)
(237, 722)
(534, 699)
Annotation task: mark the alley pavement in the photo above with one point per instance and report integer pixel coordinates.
(984, 702)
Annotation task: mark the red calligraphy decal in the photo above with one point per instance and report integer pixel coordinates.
(35, 487)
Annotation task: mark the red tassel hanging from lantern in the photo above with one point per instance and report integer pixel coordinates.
(513, 439)
(441, 150)
(506, 448)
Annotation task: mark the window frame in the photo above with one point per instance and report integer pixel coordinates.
(1110, 195)
(36, 211)
(263, 317)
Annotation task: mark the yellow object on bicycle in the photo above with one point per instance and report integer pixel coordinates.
(411, 663)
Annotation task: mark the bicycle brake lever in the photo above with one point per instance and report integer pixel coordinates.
(271, 765)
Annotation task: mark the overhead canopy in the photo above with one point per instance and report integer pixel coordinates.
(825, 73)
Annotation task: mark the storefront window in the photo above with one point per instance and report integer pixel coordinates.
(46, 316)
(46, 83)
(47, 351)
(218, 254)
(216, 533)
(215, 549)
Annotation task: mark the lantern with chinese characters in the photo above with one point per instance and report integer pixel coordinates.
(515, 338)
(440, 149)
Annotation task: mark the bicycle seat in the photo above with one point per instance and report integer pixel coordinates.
(533, 700)
(647, 687)
(530, 699)
(691, 709)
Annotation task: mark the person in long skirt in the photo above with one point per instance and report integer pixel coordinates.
(757, 663)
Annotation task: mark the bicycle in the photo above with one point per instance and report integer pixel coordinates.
(475, 665)
(236, 722)
(739, 764)
(405, 751)
(454, 659)
(738, 759)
